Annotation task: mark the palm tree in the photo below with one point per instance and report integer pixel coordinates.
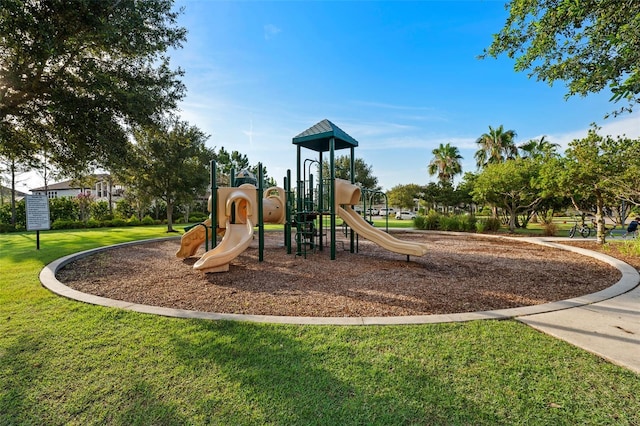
(445, 163)
(539, 148)
(496, 146)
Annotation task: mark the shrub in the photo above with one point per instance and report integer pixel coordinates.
(92, 223)
(549, 229)
(449, 223)
(118, 222)
(196, 218)
(147, 220)
(67, 224)
(100, 210)
(7, 227)
(124, 208)
(491, 224)
(468, 223)
(133, 221)
(63, 208)
(432, 221)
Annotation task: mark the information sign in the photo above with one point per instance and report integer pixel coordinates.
(37, 207)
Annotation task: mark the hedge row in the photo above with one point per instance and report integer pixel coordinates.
(435, 221)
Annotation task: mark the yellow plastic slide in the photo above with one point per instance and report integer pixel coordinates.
(237, 237)
(347, 195)
(384, 240)
(237, 204)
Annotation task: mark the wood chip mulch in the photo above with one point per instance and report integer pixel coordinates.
(458, 274)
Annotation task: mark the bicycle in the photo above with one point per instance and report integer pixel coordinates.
(584, 229)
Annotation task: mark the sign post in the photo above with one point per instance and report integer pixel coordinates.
(37, 207)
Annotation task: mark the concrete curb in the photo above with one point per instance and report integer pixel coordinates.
(630, 279)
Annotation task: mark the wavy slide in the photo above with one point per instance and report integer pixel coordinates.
(384, 240)
(237, 238)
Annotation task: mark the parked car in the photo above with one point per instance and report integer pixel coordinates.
(386, 212)
(373, 211)
(405, 215)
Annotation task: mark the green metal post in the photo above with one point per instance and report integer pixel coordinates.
(214, 203)
(287, 224)
(332, 196)
(260, 215)
(352, 172)
(299, 195)
(321, 206)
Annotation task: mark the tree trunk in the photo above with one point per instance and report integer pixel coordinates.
(13, 193)
(169, 216)
(513, 218)
(600, 234)
(110, 189)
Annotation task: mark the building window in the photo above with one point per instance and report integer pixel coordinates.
(52, 194)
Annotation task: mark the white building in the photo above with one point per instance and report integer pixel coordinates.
(101, 188)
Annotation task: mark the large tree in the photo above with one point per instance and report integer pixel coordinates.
(78, 74)
(539, 148)
(169, 162)
(513, 186)
(363, 171)
(227, 161)
(445, 163)
(405, 196)
(593, 169)
(588, 44)
(495, 146)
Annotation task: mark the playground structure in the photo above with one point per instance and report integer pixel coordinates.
(236, 210)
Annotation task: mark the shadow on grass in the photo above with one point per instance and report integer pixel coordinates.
(301, 376)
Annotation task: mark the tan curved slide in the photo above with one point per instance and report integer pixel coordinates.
(237, 238)
(384, 240)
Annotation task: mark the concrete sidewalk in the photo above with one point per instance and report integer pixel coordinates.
(610, 329)
(608, 325)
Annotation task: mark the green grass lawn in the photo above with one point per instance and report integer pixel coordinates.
(63, 362)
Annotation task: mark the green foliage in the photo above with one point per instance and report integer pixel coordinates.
(79, 74)
(435, 221)
(63, 208)
(445, 163)
(124, 208)
(495, 147)
(67, 224)
(93, 223)
(147, 220)
(592, 171)
(403, 196)
(21, 215)
(169, 162)
(549, 229)
(363, 172)
(196, 218)
(100, 210)
(117, 222)
(513, 185)
(588, 45)
(133, 221)
(490, 224)
(7, 227)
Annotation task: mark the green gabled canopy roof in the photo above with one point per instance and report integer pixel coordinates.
(317, 137)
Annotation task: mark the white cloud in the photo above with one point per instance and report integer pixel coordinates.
(270, 31)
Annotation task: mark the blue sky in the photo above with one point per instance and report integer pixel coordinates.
(401, 77)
